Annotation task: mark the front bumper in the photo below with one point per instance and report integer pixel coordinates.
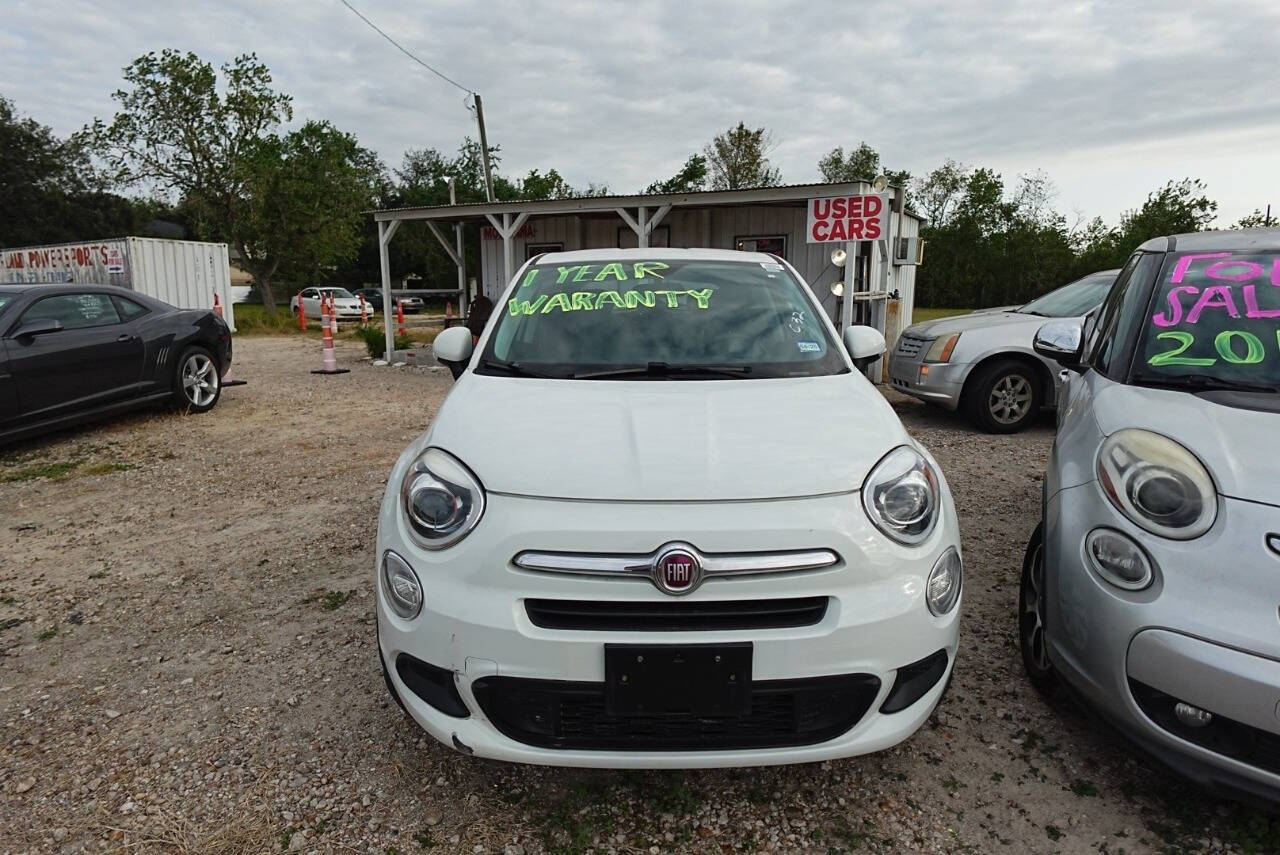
(936, 383)
(1203, 633)
(475, 624)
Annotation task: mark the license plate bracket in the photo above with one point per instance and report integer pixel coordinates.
(678, 679)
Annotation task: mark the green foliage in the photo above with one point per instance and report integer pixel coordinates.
(1257, 220)
(49, 191)
(860, 164)
(739, 159)
(691, 178)
(375, 340)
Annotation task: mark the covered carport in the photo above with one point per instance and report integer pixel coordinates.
(878, 275)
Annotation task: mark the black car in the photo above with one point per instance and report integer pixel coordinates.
(72, 353)
(373, 296)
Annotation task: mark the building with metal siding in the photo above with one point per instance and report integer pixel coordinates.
(772, 219)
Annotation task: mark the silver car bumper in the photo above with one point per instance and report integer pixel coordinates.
(1203, 633)
(937, 383)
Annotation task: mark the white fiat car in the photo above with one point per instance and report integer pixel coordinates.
(663, 520)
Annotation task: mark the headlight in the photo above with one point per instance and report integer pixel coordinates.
(940, 350)
(441, 498)
(901, 496)
(1116, 558)
(401, 586)
(942, 592)
(1157, 484)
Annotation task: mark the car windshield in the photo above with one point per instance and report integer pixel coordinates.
(1074, 300)
(1214, 322)
(660, 319)
(336, 292)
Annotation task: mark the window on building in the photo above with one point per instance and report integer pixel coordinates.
(772, 244)
(535, 249)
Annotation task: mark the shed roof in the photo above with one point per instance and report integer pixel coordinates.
(791, 194)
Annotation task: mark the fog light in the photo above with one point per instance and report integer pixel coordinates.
(1192, 716)
(1118, 559)
(942, 591)
(401, 586)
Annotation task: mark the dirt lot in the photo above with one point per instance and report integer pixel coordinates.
(188, 665)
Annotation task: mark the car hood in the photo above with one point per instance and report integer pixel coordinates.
(1230, 441)
(976, 321)
(687, 440)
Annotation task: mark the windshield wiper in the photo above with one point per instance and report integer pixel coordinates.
(663, 369)
(1200, 382)
(513, 368)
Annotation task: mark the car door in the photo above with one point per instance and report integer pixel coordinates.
(95, 358)
(311, 300)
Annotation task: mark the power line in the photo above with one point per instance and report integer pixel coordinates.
(400, 48)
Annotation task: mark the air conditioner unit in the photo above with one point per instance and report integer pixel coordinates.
(910, 251)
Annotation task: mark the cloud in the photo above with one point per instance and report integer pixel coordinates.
(622, 93)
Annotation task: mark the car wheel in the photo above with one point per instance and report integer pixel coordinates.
(1005, 396)
(1031, 618)
(197, 385)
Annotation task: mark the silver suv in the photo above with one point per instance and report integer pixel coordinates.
(984, 364)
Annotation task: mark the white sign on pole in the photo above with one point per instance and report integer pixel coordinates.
(847, 218)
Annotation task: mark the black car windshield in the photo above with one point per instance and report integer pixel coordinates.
(1214, 322)
(1074, 300)
(659, 318)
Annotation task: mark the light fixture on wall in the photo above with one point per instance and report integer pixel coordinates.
(880, 183)
(837, 288)
(838, 257)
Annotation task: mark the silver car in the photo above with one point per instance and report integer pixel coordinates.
(983, 363)
(1151, 588)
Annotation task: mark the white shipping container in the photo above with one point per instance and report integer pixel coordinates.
(183, 273)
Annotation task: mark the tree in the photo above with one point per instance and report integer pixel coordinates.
(691, 178)
(936, 193)
(739, 159)
(302, 203)
(49, 191)
(1256, 220)
(860, 164)
(176, 134)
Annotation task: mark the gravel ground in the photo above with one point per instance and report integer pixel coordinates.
(188, 665)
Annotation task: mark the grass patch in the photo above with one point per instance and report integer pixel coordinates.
(918, 315)
(40, 470)
(105, 468)
(51, 632)
(335, 600)
(1084, 788)
(251, 319)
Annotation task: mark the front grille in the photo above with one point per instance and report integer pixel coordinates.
(676, 616)
(1225, 736)
(571, 715)
(909, 346)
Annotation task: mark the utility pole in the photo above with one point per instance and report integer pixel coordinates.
(1268, 216)
(484, 146)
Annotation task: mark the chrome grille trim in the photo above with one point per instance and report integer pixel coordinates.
(640, 566)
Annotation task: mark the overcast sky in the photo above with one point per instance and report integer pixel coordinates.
(1111, 99)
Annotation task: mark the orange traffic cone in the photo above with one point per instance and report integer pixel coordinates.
(448, 313)
(217, 304)
(328, 325)
(364, 312)
(302, 313)
(400, 327)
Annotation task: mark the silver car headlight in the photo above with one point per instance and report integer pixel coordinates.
(902, 496)
(1157, 484)
(442, 500)
(942, 348)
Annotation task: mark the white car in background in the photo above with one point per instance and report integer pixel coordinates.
(346, 304)
(664, 520)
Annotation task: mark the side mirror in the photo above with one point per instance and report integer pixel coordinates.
(865, 345)
(453, 349)
(39, 326)
(1061, 341)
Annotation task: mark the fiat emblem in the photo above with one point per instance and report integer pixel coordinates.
(677, 571)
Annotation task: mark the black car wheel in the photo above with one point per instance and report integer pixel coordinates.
(1005, 396)
(1032, 608)
(197, 384)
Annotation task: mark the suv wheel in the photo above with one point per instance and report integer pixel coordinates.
(1005, 396)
